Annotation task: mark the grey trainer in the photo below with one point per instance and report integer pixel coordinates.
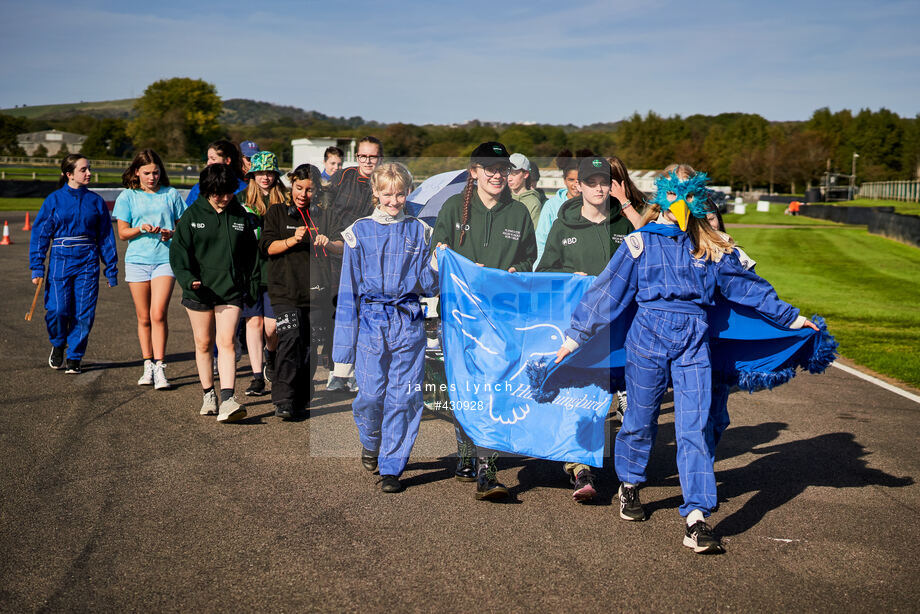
(231, 411)
(209, 404)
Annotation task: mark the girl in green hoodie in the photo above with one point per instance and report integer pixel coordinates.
(213, 255)
(585, 235)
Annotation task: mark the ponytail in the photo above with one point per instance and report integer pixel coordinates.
(467, 197)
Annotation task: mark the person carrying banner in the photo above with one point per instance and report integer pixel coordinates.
(672, 268)
(484, 224)
(585, 235)
(385, 270)
(76, 224)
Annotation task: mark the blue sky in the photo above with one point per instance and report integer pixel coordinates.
(421, 62)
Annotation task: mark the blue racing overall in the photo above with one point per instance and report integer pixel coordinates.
(379, 330)
(669, 339)
(77, 226)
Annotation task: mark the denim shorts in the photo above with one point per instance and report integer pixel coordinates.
(262, 307)
(146, 272)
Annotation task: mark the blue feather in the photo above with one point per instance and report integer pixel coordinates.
(692, 191)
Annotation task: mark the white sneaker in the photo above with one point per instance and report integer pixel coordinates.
(159, 377)
(147, 378)
(209, 404)
(231, 411)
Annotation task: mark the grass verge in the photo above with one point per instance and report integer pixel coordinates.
(775, 216)
(21, 204)
(864, 285)
(899, 206)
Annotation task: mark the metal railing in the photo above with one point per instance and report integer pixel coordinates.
(908, 191)
(54, 162)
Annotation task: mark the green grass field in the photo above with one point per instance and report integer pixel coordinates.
(864, 285)
(20, 204)
(775, 216)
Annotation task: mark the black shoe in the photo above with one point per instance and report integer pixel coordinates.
(369, 460)
(466, 470)
(488, 488)
(700, 538)
(268, 370)
(584, 486)
(630, 506)
(390, 483)
(56, 360)
(466, 464)
(285, 412)
(256, 387)
(73, 366)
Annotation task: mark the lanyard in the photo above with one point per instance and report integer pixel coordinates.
(311, 228)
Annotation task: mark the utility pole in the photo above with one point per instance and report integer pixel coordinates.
(853, 177)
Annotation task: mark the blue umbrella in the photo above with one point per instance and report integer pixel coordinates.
(426, 200)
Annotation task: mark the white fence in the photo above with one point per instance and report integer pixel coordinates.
(56, 162)
(891, 190)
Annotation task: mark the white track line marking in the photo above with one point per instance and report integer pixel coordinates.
(877, 382)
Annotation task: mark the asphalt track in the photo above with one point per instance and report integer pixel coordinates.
(115, 497)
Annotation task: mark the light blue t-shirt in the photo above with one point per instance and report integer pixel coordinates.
(162, 209)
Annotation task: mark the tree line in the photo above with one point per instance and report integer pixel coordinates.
(179, 116)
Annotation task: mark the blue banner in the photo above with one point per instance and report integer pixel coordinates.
(494, 323)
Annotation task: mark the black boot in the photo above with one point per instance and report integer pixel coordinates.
(369, 459)
(466, 466)
(487, 485)
(390, 483)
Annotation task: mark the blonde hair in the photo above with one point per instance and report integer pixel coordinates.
(683, 171)
(276, 194)
(390, 175)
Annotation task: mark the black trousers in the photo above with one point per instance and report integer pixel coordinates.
(295, 360)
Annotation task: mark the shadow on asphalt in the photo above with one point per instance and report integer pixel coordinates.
(785, 470)
(781, 473)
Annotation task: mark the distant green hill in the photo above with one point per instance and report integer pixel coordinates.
(102, 109)
(237, 111)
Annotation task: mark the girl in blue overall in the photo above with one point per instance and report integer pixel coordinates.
(76, 224)
(672, 269)
(385, 269)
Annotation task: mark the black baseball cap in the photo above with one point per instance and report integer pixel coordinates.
(595, 165)
(489, 154)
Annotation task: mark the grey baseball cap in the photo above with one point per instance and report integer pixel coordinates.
(519, 162)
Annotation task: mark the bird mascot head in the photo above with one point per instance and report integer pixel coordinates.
(684, 198)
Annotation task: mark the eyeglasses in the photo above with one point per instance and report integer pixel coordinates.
(500, 170)
(364, 158)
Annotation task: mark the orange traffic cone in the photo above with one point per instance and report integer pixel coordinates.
(6, 234)
(28, 224)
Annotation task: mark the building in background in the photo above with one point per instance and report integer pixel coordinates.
(52, 140)
(310, 150)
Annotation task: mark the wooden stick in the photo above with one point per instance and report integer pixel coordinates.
(38, 289)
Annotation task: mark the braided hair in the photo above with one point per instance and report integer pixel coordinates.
(467, 197)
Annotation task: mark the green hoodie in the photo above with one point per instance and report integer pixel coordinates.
(501, 237)
(530, 199)
(576, 244)
(218, 249)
